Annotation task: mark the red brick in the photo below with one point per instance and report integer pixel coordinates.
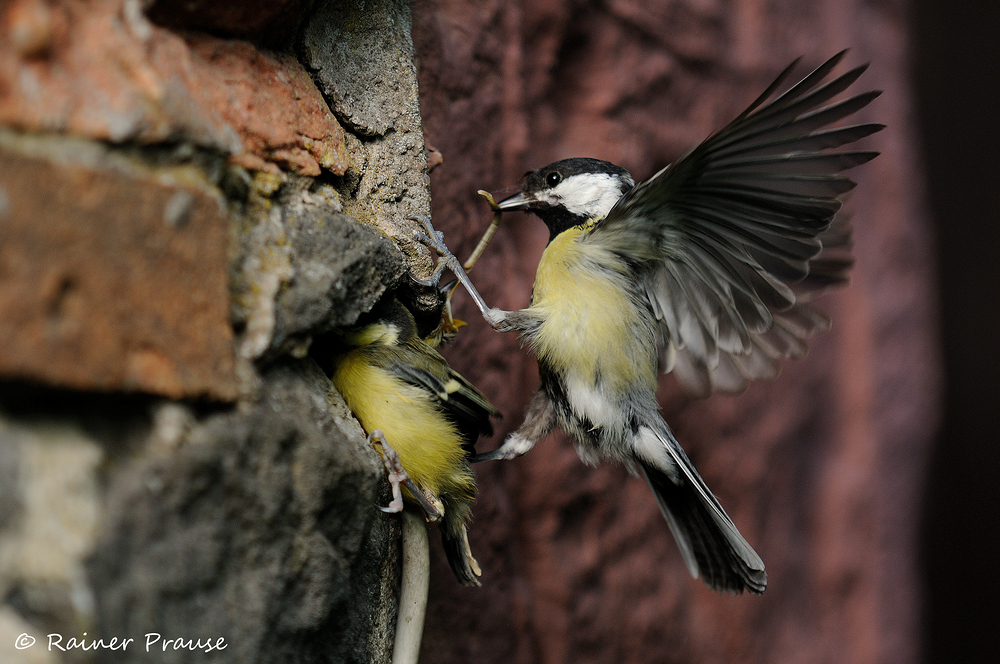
(102, 70)
(111, 281)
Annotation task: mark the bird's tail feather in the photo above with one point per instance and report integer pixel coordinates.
(711, 545)
(455, 539)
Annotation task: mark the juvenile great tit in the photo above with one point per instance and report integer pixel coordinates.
(705, 269)
(407, 398)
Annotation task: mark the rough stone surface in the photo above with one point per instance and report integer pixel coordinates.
(113, 279)
(304, 267)
(361, 55)
(48, 526)
(257, 525)
(251, 525)
(821, 470)
(342, 268)
(354, 47)
(102, 70)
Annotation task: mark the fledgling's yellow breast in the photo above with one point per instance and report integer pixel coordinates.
(429, 446)
(589, 318)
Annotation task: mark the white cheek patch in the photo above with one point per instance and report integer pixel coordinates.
(589, 195)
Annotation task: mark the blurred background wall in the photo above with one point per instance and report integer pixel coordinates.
(868, 520)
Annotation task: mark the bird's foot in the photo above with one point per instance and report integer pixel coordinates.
(435, 240)
(512, 448)
(500, 320)
(431, 281)
(398, 478)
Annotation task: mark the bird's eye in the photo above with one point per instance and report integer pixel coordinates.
(553, 178)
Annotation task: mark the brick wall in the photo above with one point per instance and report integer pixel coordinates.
(188, 195)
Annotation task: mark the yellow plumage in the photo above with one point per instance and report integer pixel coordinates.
(431, 416)
(578, 297)
(429, 446)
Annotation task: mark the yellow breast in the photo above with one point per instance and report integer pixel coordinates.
(429, 446)
(589, 319)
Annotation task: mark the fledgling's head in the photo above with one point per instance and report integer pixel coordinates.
(389, 323)
(571, 192)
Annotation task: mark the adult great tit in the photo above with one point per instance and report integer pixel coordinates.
(406, 396)
(705, 269)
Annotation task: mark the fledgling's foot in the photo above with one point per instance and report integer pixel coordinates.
(398, 477)
(393, 468)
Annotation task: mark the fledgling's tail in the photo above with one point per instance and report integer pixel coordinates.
(455, 539)
(709, 541)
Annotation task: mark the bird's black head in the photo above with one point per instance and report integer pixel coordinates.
(571, 192)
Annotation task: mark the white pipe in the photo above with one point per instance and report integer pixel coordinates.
(413, 588)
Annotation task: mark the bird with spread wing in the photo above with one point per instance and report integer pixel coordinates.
(707, 269)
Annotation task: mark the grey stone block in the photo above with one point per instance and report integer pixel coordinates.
(257, 525)
(341, 268)
(361, 56)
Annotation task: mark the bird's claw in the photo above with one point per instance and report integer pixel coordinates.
(432, 281)
(394, 469)
(435, 240)
(398, 477)
(430, 236)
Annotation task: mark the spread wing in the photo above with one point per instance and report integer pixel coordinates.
(736, 237)
(461, 402)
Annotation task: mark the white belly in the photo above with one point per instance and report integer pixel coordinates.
(592, 403)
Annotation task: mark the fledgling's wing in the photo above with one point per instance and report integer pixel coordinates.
(735, 237)
(418, 364)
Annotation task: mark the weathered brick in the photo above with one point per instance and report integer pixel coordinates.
(113, 281)
(116, 76)
(258, 525)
